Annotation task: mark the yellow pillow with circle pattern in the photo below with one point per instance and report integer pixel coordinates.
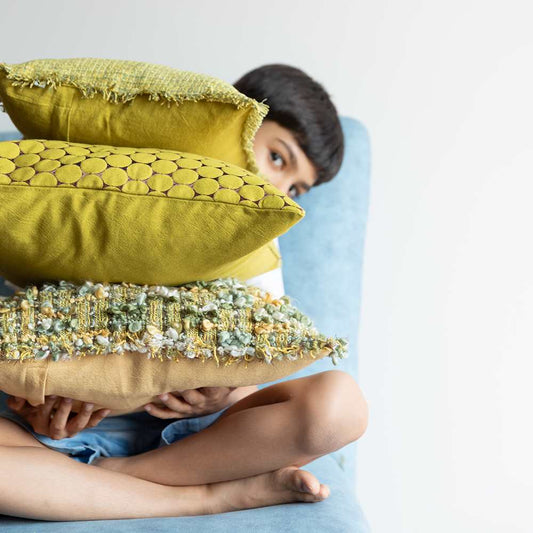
(120, 345)
(80, 212)
(133, 104)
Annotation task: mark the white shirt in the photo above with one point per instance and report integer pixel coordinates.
(271, 281)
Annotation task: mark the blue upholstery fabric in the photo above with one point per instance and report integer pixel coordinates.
(322, 258)
(322, 271)
(10, 135)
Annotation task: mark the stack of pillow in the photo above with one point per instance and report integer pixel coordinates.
(132, 215)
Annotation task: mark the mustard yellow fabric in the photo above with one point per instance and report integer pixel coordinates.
(120, 345)
(131, 103)
(127, 381)
(77, 212)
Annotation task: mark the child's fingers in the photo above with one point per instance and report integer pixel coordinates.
(162, 412)
(193, 397)
(58, 423)
(79, 422)
(97, 417)
(46, 408)
(214, 392)
(175, 403)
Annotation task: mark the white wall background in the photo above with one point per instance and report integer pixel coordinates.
(445, 90)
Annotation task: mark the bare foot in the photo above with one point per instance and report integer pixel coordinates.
(288, 484)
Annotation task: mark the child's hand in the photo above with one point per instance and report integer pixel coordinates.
(197, 402)
(57, 425)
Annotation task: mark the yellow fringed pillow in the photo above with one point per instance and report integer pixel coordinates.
(120, 345)
(131, 103)
(80, 212)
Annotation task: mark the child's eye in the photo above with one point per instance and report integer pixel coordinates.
(275, 160)
(295, 194)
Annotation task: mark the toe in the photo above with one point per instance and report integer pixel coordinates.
(324, 491)
(306, 482)
(321, 494)
(296, 480)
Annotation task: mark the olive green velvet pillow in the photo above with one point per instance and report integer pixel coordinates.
(131, 103)
(120, 345)
(79, 212)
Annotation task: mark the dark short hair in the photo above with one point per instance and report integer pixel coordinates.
(300, 104)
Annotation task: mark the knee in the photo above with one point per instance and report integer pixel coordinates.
(332, 412)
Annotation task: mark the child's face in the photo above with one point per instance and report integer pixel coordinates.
(273, 145)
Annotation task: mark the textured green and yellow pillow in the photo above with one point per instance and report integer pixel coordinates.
(77, 212)
(120, 345)
(132, 104)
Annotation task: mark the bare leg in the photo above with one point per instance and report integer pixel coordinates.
(43, 484)
(290, 423)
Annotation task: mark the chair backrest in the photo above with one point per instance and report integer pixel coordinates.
(322, 256)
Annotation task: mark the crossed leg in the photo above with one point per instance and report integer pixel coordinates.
(44, 484)
(76, 491)
(289, 423)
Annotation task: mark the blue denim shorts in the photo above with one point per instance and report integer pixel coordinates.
(117, 436)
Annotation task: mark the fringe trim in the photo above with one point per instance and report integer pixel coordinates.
(251, 125)
(298, 352)
(257, 110)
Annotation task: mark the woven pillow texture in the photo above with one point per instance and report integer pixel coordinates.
(120, 345)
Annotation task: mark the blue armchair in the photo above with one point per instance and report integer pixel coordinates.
(322, 271)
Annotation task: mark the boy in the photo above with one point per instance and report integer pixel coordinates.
(246, 445)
